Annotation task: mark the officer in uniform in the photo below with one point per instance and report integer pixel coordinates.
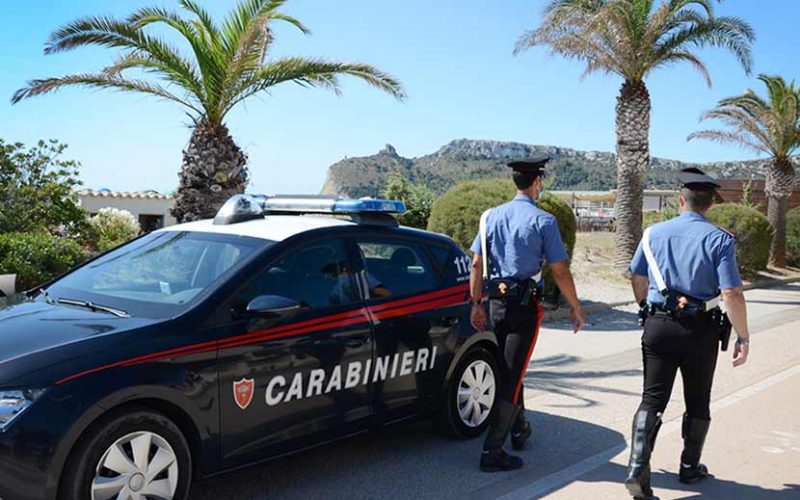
(514, 240)
(678, 272)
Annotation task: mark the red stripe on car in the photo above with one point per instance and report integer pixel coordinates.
(441, 298)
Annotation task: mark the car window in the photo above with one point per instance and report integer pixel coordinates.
(316, 275)
(396, 267)
(167, 268)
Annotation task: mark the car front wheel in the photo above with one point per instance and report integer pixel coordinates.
(139, 455)
(471, 394)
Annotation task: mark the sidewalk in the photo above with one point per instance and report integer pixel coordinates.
(753, 453)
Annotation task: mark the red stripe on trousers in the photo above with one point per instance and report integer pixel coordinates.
(539, 315)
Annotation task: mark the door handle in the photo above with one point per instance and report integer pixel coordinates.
(451, 320)
(358, 341)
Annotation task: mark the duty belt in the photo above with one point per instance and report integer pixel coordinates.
(676, 303)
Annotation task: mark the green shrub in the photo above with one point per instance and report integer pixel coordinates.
(793, 236)
(37, 257)
(753, 234)
(457, 213)
(112, 227)
(651, 217)
(417, 198)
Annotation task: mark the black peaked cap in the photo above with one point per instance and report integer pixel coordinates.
(695, 178)
(535, 164)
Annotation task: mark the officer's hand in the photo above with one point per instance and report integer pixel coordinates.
(478, 317)
(740, 353)
(576, 315)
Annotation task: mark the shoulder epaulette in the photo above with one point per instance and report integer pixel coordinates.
(727, 232)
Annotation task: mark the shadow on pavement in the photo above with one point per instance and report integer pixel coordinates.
(716, 488)
(607, 320)
(409, 460)
(574, 384)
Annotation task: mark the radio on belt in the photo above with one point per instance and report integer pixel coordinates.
(243, 207)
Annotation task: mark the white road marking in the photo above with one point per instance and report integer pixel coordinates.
(563, 477)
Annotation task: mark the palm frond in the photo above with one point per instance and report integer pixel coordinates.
(226, 64)
(686, 56)
(47, 85)
(98, 30)
(633, 37)
(770, 125)
(314, 73)
(727, 137)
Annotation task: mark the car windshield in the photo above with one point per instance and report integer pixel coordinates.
(159, 274)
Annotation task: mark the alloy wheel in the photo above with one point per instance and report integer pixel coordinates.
(476, 393)
(138, 466)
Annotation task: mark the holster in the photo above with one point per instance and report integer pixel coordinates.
(508, 289)
(724, 326)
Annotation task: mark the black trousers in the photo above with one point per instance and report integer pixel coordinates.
(689, 345)
(516, 327)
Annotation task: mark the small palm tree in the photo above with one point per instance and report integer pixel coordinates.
(631, 38)
(770, 126)
(227, 64)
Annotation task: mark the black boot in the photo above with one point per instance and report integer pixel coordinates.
(694, 436)
(493, 458)
(499, 460)
(521, 430)
(520, 435)
(645, 429)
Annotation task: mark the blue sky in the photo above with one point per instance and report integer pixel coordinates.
(454, 57)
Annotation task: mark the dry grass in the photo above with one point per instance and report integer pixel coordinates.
(592, 258)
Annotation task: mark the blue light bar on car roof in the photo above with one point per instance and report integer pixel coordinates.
(244, 207)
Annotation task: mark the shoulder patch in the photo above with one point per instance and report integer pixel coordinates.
(727, 232)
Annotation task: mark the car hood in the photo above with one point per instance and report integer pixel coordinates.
(33, 328)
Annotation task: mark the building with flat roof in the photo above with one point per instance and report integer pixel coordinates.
(151, 208)
(595, 209)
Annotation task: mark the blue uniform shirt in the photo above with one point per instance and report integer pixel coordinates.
(520, 235)
(694, 256)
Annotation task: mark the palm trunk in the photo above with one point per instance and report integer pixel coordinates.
(779, 186)
(214, 169)
(633, 156)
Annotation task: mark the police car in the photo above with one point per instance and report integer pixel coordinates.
(284, 323)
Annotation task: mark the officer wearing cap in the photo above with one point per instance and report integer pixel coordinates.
(513, 243)
(679, 273)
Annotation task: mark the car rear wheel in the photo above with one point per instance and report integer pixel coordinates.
(471, 394)
(138, 455)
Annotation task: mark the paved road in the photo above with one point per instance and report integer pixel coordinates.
(583, 390)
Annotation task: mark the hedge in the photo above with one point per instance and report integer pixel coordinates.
(793, 236)
(457, 212)
(112, 227)
(752, 230)
(37, 257)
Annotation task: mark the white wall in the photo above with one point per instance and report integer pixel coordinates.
(136, 206)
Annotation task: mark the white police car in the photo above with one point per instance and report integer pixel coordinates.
(283, 323)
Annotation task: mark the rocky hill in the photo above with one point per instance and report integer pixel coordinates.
(475, 159)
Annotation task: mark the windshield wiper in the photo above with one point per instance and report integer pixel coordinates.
(94, 307)
(41, 291)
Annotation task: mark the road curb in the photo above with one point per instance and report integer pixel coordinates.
(593, 307)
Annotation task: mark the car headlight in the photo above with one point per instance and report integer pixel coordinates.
(13, 403)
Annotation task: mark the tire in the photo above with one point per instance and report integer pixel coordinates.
(122, 434)
(457, 420)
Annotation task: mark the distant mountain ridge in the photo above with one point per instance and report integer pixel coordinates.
(464, 159)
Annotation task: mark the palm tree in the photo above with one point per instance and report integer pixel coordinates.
(631, 38)
(226, 64)
(770, 126)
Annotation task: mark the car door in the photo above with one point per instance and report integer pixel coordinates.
(293, 381)
(415, 319)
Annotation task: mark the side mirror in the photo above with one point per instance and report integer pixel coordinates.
(7, 288)
(272, 306)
